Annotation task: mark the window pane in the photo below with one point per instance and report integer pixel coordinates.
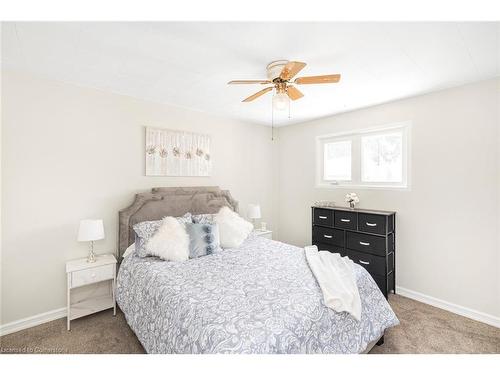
(382, 158)
(337, 161)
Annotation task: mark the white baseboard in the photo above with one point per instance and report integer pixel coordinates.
(32, 321)
(448, 306)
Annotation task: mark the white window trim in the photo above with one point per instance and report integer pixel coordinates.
(356, 168)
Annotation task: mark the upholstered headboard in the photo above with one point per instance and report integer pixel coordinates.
(170, 201)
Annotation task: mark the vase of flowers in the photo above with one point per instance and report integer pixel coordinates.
(352, 199)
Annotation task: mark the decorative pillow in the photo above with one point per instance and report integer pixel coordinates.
(170, 242)
(204, 218)
(233, 229)
(203, 239)
(146, 229)
(129, 250)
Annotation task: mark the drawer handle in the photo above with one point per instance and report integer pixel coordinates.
(371, 224)
(322, 217)
(363, 262)
(364, 243)
(327, 236)
(345, 220)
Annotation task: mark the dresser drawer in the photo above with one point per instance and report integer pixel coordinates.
(372, 223)
(374, 264)
(323, 216)
(328, 236)
(381, 281)
(346, 220)
(92, 275)
(331, 248)
(367, 243)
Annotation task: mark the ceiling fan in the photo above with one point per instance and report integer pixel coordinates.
(280, 74)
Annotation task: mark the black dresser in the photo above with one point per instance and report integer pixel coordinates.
(368, 237)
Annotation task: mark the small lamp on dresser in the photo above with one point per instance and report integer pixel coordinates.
(254, 212)
(91, 230)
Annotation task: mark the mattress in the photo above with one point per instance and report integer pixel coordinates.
(259, 298)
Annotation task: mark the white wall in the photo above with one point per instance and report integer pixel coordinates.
(448, 223)
(70, 153)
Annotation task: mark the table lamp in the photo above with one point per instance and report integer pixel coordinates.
(254, 212)
(91, 230)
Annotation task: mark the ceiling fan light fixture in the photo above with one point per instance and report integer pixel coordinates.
(281, 101)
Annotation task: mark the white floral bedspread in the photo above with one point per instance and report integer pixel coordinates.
(260, 298)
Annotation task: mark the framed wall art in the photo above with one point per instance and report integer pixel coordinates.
(177, 153)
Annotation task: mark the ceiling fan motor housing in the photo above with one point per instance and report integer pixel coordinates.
(274, 69)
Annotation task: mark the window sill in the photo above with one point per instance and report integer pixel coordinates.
(366, 187)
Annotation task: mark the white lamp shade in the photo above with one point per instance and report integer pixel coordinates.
(254, 211)
(91, 230)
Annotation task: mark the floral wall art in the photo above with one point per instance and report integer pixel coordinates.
(177, 153)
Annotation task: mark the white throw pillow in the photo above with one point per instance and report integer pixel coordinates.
(170, 242)
(233, 229)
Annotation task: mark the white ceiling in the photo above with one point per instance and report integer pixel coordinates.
(189, 63)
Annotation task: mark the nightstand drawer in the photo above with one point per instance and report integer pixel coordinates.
(92, 275)
(372, 223)
(367, 243)
(346, 220)
(328, 236)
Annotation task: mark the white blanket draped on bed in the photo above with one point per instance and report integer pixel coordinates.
(337, 280)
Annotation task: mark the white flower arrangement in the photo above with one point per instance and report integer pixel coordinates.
(352, 199)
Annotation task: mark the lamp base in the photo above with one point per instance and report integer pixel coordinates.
(91, 258)
(254, 223)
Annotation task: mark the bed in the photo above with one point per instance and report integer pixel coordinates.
(258, 298)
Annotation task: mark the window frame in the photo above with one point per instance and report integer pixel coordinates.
(356, 157)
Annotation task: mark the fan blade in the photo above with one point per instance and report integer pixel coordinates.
(332, 78)
(257, 94)
(293, 93)
(291, 69)
(249, 82)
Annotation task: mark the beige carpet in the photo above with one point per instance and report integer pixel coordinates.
(423, 329)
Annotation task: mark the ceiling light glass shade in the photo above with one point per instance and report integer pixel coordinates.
(280, 101)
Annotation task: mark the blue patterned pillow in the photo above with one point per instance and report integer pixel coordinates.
(204, 218)
(146, 229)
(203, 239)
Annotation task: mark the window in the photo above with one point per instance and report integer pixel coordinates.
(366, 158)
(382, 158)
(337, 161)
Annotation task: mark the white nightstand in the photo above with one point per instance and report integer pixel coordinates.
(91, 286)
(264, 233)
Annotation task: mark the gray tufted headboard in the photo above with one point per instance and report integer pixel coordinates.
(170, 201)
